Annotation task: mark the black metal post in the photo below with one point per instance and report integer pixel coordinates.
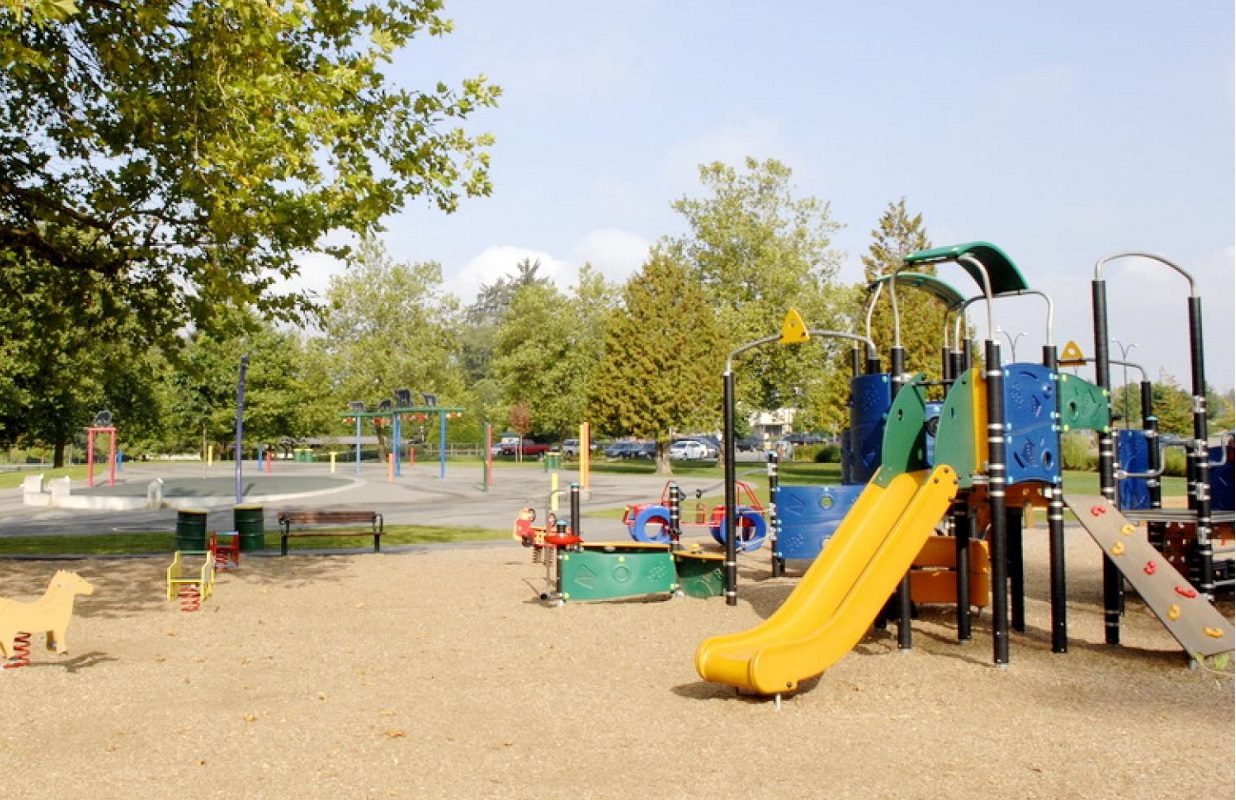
(1154, 458)
(576, 521)
(963, 531)
(1017, 572)
(774, 520)
(1200, 454)
(731, 499)
(1055, 536)
(675, 515)
(997, 481)
(1113, 581)
(240, 429)
(905, 605)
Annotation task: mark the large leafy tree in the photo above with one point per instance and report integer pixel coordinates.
(660, 372)
(757, 250)
(548, 346)
(487, 314)
(390, 326)
(184, 153)
(66, 355)
(201, 400)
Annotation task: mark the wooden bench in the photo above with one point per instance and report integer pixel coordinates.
(287, 519)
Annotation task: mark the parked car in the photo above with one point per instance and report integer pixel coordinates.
(570, 447)
(687, 450)
(711, 443)
(642, 450)
(749, 444)
(618, 449)
(529, 449)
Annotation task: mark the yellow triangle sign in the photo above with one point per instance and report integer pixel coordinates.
(1072, 355)
(793, 329)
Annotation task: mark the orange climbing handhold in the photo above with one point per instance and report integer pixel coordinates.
(1098, 511)
(1186, 591)
(1150, 568)
(1213, 633)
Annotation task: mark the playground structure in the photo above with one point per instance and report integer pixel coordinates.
(50, 615)
(992, 447)
(191, 584)
(667, 520)
(577, 570)
(397, 412)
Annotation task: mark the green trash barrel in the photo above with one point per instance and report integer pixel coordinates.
(190, 530)
(248, 523)
(553, 461)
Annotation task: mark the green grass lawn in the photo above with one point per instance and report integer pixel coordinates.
(162, 542)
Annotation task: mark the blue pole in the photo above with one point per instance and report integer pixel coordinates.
(395, 435)
(441, 444)
(240, 428)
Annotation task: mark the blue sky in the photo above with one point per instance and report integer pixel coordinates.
(1062, 132)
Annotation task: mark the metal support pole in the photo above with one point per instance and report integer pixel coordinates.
(905, 605)
(1055, 533)
(774, 520)
(441, 444)
(240, 427)
(675, 516)
(1200, 455)
(996, 483)
(1113, 581)
(731, 499)
(577, 523)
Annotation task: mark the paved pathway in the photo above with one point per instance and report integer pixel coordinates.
(418, 496)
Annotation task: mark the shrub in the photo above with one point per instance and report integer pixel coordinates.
(1077, 451)
(1175, 462)
(827, 454)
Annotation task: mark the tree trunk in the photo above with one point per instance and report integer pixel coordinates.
(58, 455)
(664, 467)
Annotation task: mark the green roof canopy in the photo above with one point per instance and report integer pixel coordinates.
(930, 284)
(1001, 271)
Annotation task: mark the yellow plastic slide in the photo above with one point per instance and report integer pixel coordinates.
(841, 594)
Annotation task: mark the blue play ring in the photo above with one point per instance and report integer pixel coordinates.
(752, 529)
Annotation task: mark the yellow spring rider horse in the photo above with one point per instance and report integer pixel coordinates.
(49, 614)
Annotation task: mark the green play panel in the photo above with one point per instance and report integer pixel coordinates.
(608, 571)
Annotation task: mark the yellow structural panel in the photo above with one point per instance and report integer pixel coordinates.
(793, 329)
(841, 594)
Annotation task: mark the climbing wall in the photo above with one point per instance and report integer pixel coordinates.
(1032, 449)
(1188, 616)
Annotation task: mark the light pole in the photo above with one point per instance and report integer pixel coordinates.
(1012, 343)
(1124, 359)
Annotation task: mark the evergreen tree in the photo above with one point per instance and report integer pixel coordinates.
(487, 313)
(922, 317)
(660, 372)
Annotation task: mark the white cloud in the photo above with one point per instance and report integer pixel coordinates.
(497, 260)
(316, 270)
(616, 253)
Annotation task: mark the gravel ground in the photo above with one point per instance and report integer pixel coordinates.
(436, 673)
